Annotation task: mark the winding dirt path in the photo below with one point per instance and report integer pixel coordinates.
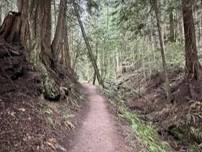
(98, 132)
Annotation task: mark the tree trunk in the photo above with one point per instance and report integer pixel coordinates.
(35, 36)
(58, 40)
(10, 29)
(55, 12)
(32, 28)
(0, 14)
(67, 58)
(172, 27)
(35, 32)
(96, 58)
(47, 56)
(167, 85)
(192, 67)
(90, 52)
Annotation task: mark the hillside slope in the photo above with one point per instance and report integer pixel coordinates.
(24, 115)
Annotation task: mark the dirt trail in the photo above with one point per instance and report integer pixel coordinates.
(98, 132)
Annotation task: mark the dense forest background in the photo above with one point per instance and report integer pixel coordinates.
(110, 25)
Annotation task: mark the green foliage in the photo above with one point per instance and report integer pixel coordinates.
(194, 148)
(145, 132)
(50, 89)
(91, 4)
(124, 35)
(190, 136)
(132, 15)
(175, 55)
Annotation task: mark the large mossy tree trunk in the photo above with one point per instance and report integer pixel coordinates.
(193, 69)
(35, 36)
(32, 28)
(35, 30)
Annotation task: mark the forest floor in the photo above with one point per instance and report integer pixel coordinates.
(28, 122)
(99, 131)
(178, 122)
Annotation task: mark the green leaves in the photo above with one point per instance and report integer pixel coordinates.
(92, 6)
(146, 133)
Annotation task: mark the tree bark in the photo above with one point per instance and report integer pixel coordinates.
(67, 58)
(58, 40)
(167, 84)
(32, 28)
(0, 14)
(35, 36)
(172, 27)
(193, 68)
(55, 12)
(10, 29)
(46, 54)
(35, 32)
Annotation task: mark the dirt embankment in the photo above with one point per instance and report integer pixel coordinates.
(27, 122)
(178, 121)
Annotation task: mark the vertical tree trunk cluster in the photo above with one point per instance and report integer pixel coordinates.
(36, 31)
(32, 27)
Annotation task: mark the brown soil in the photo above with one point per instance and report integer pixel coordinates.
(98, 132)
(27, 123)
